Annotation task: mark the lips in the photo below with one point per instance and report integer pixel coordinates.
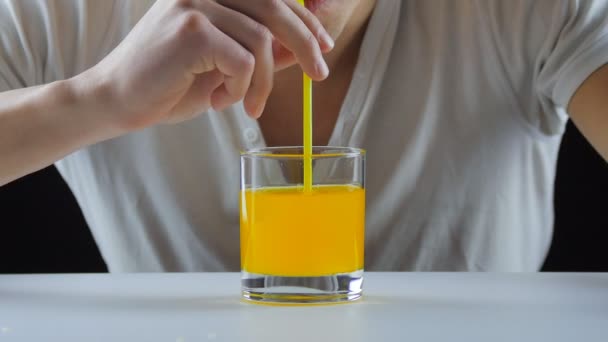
(313, 5)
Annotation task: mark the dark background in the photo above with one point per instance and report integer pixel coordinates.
(42, 229)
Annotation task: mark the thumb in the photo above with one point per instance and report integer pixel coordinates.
(197, 98)
(283, 58)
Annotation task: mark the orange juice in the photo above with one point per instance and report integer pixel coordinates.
(286, 231)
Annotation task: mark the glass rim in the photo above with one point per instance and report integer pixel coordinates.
(333, 152)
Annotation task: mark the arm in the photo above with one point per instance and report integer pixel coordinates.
(182, 58)
(42, 124)
(589, 110)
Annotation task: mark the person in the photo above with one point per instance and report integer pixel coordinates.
(459, 104)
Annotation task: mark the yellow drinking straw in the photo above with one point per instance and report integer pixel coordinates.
(307, 114)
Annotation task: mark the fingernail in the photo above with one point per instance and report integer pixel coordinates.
(322, 68)
(327, 40)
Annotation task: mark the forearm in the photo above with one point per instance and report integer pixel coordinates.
(206, 55)
(40, 125)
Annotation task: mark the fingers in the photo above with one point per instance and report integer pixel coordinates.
(290, 30)
(241, 39)
(234, 61)
(312, 22)
(258, 40)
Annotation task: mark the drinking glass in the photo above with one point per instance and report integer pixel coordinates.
(302, 244)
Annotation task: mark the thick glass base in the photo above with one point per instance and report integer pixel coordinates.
(338, 288)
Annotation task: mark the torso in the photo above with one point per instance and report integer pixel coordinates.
(459, 174)
(281, 122)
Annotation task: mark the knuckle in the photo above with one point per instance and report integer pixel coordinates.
(247, 61)
(263, 36)
(193, 21)
(273, 4)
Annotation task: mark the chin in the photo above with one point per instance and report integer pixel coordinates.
(333, 14)
(314, 5)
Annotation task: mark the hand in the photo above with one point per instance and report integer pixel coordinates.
(185, 56)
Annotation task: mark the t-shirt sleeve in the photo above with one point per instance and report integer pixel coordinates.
(576, 44)
(42, 41)
(20, 50)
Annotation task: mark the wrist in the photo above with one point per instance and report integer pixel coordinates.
(97, 106)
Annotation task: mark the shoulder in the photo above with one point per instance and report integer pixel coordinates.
(548, 16)
(45, 40)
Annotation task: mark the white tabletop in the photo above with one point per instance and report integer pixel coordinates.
(396, 307)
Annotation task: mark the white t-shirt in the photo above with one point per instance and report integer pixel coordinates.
(460, 105)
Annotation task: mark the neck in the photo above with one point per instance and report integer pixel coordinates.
(281, 122)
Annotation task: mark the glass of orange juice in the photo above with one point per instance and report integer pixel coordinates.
(302, 244)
